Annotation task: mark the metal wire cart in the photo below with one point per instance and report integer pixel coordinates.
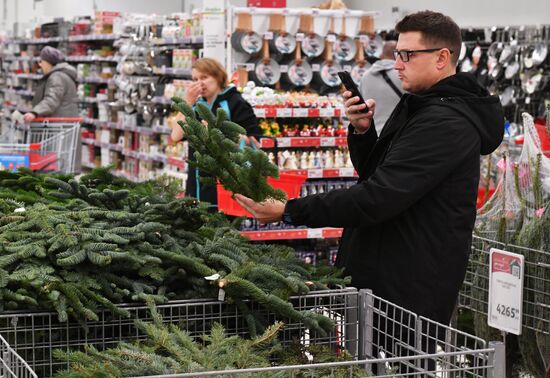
(384, 339)
(47, 144)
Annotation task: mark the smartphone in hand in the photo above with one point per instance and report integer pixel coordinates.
(350, 86)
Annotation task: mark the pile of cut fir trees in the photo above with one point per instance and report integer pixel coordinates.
(78, 246)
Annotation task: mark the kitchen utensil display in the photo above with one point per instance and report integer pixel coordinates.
(312, 44)
(344, 48)
(299, 72)
(266, 70)
(328, 74)
(531, 81)
(283, 42)
(244, 39)
(360, 65)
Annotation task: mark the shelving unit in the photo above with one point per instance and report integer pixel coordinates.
(293, 234)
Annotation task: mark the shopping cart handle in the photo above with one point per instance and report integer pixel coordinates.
(56, 119)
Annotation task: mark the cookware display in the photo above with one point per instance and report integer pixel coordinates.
(244, 39)
(344, 48)
(283, 42)
(313, 44)
(299, 72)
(266, 70)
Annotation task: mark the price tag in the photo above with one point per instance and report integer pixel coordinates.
(300, 112)
(283, 142)
(364, 38)
(284, 112)
(315, 173)
(326, 112)
(314, 233)
(331, 38)
(315, 67)
(250, 67)
(299, 37)
(260, 113)
(347, 68)
(268, 35)
(283, 68)
(505, 290)
(328, 142)
(346, 172)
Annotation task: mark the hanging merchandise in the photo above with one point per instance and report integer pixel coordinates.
(244, 39)
(344, 48)
(313, 44)
(266, 70)
(282, 43)
(327, 79)
(299, 72)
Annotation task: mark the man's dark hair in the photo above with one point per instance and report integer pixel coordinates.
(437, 30)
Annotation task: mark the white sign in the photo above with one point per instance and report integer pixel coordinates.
(214, 35)
(505, 291)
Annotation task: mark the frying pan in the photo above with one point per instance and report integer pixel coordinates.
(243, 38)
(344, 48)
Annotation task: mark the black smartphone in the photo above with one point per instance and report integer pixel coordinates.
(352, 87)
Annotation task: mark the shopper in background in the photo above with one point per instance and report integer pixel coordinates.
(55, 94)
(409, 220)
(381, 83)
(210, 88)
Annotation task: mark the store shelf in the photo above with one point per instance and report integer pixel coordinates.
(27, 76)
(72, 38)
(176, 162)
(94, 80)
(286, 142)
(161, 100)
(15, 107)
(130, 153)
(272, 112)
(36, 41)
(177, 41)
(323, 173)
(21, 92)
(179, 72)
(306, 233)
(126, 176)
(21, 58)
(118, 126)
(92, 59)
(92, 37)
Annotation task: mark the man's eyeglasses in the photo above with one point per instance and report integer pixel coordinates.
(405, 55)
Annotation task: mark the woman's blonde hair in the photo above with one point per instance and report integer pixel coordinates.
(212, 68)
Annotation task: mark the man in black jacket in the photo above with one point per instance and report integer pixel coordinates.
(408, 221)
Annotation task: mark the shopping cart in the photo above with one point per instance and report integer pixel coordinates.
(11, 364)
(47, 144)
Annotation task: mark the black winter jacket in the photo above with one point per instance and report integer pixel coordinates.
(408, 221)
(240, 112)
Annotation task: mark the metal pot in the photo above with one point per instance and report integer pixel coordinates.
(248, 42)
(344, 48)
(531, 80)
(313, 45)
(283, 43)
(507, 96)
(373, 46)
(361, 65)
(266, 71)
(299, 72)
